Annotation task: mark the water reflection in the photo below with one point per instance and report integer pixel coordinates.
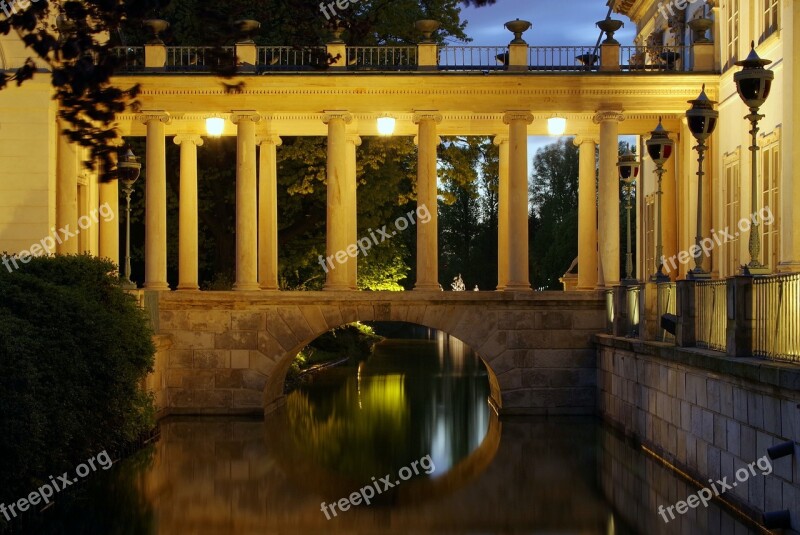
(410, 399)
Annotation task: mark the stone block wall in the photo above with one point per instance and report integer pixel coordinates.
(230, 351)
(707, 414)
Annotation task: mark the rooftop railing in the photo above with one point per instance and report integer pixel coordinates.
(516, 58)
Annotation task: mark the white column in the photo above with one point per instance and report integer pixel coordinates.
(587, 213)
(502, 212)
(187, 212)
(108, 226)
(155, 236)
(268, 213)
(351, 205)
(337, 229)
(427, 196)
(790, 184)
(518, 277)
(67, 192)
(246, 201)
(608, 198)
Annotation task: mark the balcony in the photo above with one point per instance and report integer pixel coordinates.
(519, 59)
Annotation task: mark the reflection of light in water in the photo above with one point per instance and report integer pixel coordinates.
(448, 420)
(612, 530)
(360, 366)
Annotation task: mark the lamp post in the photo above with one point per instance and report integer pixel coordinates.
(702, 119)
(128, 169)
(659, 147)
(628, 173)
(753, 83)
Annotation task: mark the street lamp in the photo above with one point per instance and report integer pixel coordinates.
(659, 147)
(628, 173)
(128, 170)
(702, 119)
(754, 83)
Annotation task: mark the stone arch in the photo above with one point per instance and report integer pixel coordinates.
(291, 328)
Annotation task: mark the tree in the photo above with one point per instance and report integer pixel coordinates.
(554, 204)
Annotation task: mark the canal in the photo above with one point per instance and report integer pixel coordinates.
(408, 430)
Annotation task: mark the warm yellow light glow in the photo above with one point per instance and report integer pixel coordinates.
(386, 126)
(215, 126)
(556, 126)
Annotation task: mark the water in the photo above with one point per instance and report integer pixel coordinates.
(412, 400)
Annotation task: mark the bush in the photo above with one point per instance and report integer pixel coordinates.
(74, 350)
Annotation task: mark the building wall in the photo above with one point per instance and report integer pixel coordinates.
(708, 416)
(27, 164)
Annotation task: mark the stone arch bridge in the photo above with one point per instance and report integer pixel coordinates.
(228, 352)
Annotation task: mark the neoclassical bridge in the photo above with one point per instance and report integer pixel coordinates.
(228, 352)
(434, 95)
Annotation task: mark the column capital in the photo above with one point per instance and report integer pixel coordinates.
(499, 139)
(580, 140)
(188, 138)
(244, 115)
(517, 115)
(355, 139)
(344, 115)
(269, 139)
(608, 115)
(426, 115)
(153, 115)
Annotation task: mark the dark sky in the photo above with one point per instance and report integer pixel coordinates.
(555, 22)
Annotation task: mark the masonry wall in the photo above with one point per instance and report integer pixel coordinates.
(707, 414)
(230, 351)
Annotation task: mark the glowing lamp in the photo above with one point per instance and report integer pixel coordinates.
(386, 126)
(215, 126)
(556, 126)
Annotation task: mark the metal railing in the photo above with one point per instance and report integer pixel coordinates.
(382, 58)
(198, 58)
(777, 316)
(654, 58)
(288, 58)
(131, 58)
(711, 321)
(473, 58)
(563, 58)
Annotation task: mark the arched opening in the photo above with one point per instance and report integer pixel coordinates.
(415, 393)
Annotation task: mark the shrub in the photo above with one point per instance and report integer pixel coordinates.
(74, 350)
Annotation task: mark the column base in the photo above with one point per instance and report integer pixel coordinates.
(188, 288)
(427, 287)
(270, 288)
(337, 288)
(517, 287)
(246, 287)
(157, 286)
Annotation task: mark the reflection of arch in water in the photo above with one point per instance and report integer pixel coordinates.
(461, 337)
(311, 478)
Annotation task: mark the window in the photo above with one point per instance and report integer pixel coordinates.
(733, 31)
(770, 181)
(770, 21)
(733, 187)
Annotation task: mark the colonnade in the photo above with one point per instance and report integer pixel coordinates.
(257, 213)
